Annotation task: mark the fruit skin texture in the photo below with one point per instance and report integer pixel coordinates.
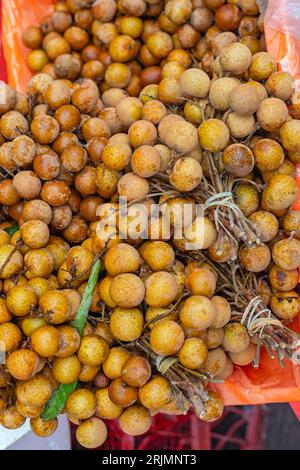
(135, 420)
(156, 393)
(285, 305)
(122, 394)
(136, 371)
(91, 433)
(126, 324)
(10, 337)
(213, 135)
(161, 289)
(236, 338)
(43, 428)
(81, 404)
(198, 312)
(105, 407)
(193, 353)
(93, 350)
(166, 338)
(22, 364)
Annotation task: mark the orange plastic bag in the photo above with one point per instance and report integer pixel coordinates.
(270, 383)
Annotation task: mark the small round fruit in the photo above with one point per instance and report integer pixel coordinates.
(66, 369)
(236, 338)
(267, 224)
(126, 324)
(245, 357)
(122, 258)
(45, 341)
(93, 350)
(136, 371)
(213, 408)
(91, 433)
(10, 337)
(193, 353)
(283, 280)
(186, 174)
(255, 258)
(166, 338)
(271, 114)
(156, 393)
(35, 391)
(235, 58)
(10, 418)
(43, 427)
(285, 305)
(161, 289)
(81, 404)
(106, 408)
(198, 312)
(135, 420)
(213, 135)
(215, 362)
(122, 394)
(115, 361)
(21, 300)
(127, 290)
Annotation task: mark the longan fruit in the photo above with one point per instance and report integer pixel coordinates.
(215, 362)
(11, 418)
(286, 253)
(45, 341)
(235, 58)
(169, 91)
(156, 393)
(213, 408)
(127, 290)
(6, 156)
(238, 159)
(21, 300)
(5, 315)
(88, 373)
(136, 371)
(55, 306)
(245, 357)
(213, 135)
(161, 289)
(159, 256)
(285, 305)
(23, 150)
(145, 161)
(262, 66)
(122, 394)
(85, 99)
(29, 411)
(79, 262)
(267, 224)
(194, 83)
(9, 196)
(27, 184)
(42, 427)
(91, 433)
(10, 337)
(39, 263)
(133, 187)
(35, 233)
(289, 133)
(69, 341)
(38, 85)
(193, 353)
(45, 129)
(126, 324)
(106, 181)
(240, 126)
(219, 92)
(198, 312)
(201, 282)
(122, 258)
(236, 338)
(66, 369)
(81, 404)
(283, 185)
(247, 198)
(166, 338)
(37, 210)
(35, 391)
(160, 44)
(115, 361)
(255, 258)
(30, 324)
(283, 280)
(268, 153)
(13, 124)
(11, 261)
(214, 337)
(142, 132)
(280, 84)
(68, 117)
(105, 407)
(135, 420)
(271, 114)
(116, 156)
(93, 350)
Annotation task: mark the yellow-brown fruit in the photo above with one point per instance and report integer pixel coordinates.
(255, 258)
(45, 341)
(201, 281)
(283, 280)
(280, 193)
(91, 433)
(22, 364)
(55, 306)
(10, 337)
(166, 338)
(235, 58)
(214, 337)
(161, 289)
(268, 153)
(244, 100)
(219, 92)
(135, 420)
(155, 393)
(194, 83)
(122, 394)
(198, 312)
(159, 256)
(43, 427)
(213, 408)
(285, 305)
(213, 135)
(21, 300)
(186, 174)
(280, 84)
(236, 338)
(193, 353)
(127, 290)
(122, 258)
(35, 391)
(290, 135)
(126, 324)
(245, 357)
(136, 371)
(81, 404)
(106, 408)
(66, 369)
(11, 418)
(262, 66)
(215, 362)
(271, 114)
(11, 261)
(93, 350)
(115, 361)
(266, 223)
(5, 315)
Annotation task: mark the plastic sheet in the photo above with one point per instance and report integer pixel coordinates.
(270, 383)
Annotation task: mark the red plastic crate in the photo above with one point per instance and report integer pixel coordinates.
(240, 428)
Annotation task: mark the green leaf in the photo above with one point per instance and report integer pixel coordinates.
(83, 311)
(59, 397)
(57, 402)
(11, 230)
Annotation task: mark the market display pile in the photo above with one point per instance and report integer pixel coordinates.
(173, 103)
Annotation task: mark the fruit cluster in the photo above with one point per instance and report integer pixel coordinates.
(173, 104)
